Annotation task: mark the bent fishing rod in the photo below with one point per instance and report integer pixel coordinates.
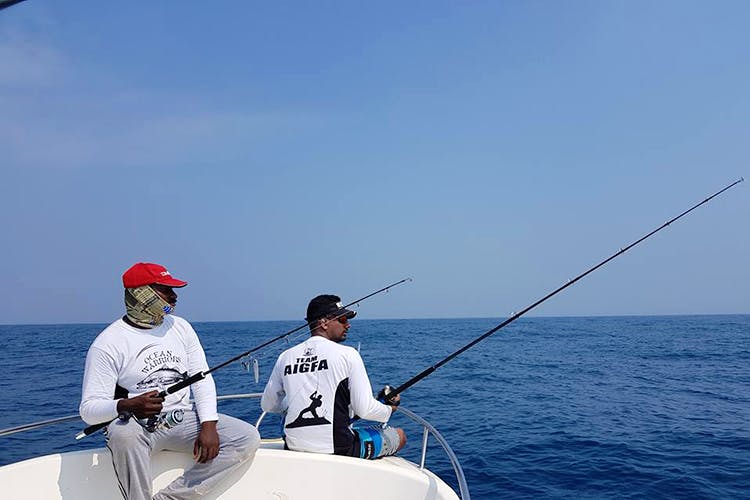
(201, 375)
(388, 393)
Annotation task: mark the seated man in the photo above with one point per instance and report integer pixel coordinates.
(321, 385)
(136, 357)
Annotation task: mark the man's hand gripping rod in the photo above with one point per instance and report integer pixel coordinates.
(197, 377)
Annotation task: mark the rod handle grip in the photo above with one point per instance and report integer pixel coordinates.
(92, 429)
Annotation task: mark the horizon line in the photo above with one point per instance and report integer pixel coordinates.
(666, 315)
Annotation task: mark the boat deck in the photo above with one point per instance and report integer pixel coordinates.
(275, 474)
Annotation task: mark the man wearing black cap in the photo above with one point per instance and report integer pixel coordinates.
(321, 384)
(128, 364)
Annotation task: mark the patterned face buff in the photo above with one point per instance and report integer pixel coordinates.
(145, 307)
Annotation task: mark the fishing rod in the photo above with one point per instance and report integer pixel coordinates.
(201, 375)
(4, 4)
(70, 418)
(388, 393)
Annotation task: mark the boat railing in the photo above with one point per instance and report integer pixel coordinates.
(37, 425)
(427, 430)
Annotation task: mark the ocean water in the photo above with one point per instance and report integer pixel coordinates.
(601, 407)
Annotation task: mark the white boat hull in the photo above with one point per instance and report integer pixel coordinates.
(275, 474)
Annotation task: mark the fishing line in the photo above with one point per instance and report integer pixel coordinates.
(201, 375)
(387, 394)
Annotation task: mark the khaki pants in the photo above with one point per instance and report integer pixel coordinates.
(132, 446)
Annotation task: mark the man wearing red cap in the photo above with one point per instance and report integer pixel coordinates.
(129, 363)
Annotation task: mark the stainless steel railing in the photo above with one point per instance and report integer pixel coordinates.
(427, 430)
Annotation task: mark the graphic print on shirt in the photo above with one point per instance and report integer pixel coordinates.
(161, 367)
(314, 419)
(308, 363)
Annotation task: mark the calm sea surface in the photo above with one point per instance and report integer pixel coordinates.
(616, 407)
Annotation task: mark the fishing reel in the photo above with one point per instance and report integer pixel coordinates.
(383, 396)
(154, 423)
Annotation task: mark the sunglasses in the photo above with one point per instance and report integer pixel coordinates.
(341, 319)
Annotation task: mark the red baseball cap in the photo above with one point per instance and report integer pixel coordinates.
(145, 273)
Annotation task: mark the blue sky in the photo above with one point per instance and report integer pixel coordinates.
(270, 151)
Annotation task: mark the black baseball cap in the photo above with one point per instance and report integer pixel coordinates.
(327, 305)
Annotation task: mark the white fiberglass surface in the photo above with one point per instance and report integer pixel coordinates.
(274, 475)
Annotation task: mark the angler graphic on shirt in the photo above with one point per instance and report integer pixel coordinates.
(308, 363)
(162, 368)
(314, 419)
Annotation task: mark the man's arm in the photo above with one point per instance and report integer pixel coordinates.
(99, 382)
(360, 389)
(204, 391)
(273, 395)
(98, 389)
(206, 445)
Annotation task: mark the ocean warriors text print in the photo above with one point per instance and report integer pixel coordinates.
(161, 366)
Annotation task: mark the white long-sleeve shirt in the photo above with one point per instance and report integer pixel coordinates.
(142, 360)
(321, 385)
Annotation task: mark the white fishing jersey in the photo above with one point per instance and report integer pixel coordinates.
(141, 360)
(321, 385)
